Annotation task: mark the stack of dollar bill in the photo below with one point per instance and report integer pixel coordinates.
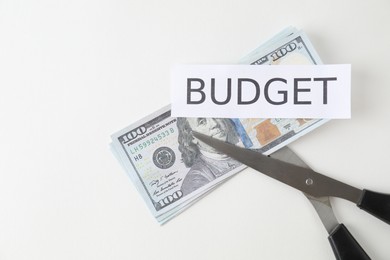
(172, 170)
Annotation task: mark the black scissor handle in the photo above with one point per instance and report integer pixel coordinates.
(344, 245)
(377, 204)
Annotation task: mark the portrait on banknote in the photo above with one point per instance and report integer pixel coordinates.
(205, 163)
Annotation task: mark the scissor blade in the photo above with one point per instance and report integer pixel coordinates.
(305, 180)
(321, 205)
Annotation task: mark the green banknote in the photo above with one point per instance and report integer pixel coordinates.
(172, 170)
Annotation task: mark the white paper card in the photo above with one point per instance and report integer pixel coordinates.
(247, 91)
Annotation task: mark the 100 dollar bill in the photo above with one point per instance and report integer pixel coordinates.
(172, 170)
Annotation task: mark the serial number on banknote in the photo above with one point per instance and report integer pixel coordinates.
(151, 140)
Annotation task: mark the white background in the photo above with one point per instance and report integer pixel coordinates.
(73, 72)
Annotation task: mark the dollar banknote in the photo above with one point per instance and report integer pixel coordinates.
(172, 170)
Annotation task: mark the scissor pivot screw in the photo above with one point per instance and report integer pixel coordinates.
(309, 181)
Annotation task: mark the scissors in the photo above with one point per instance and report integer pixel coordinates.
(285, 166)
